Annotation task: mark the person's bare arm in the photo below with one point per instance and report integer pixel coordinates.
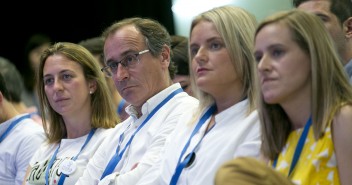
(342, 138)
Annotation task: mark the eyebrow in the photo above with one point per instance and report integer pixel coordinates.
(322, 15)
(270, 47)
(209, 40)
(62, 71)
(275, 45)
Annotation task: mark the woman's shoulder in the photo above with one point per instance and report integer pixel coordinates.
(344, 115)
(342, 123)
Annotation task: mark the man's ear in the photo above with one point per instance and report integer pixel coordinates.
(348, 27)
(165, 55)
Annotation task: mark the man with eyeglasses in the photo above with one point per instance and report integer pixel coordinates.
(137, 57)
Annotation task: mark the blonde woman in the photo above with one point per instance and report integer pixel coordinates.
(226, 123)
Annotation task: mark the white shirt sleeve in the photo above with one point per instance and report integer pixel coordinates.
(251, 143)
(28, 148)
(152, 176)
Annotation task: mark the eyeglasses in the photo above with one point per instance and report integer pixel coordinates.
(128, 62)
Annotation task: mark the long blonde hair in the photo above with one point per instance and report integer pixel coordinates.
(330, 87)
(236, 27)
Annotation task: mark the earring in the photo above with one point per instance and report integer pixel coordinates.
(90, 92)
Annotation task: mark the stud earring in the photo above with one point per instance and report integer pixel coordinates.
(90, 92)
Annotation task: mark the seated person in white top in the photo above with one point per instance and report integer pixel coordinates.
(15, 86)
(20, 137)
(77, 112)
(226, 124)
(137, 57)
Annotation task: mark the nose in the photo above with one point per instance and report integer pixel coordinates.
(264, 64)
(121, 73)
(201, 56)
(57, 85)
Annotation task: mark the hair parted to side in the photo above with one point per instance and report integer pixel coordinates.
(330, 86)
(155, 34)
(236, 27)
(103, 111)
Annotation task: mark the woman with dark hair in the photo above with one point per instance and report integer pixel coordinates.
(35, 46)
(179, 47)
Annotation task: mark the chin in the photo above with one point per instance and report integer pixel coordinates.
(270, 99)
(131, 99)
(202, 84)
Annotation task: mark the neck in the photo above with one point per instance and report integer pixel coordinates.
(9, 112)
(347, 59)
(212, 122)
(298, 112)
(163, 86)
(20, 107)
(224, 102)
(347, 53)
(77, 127)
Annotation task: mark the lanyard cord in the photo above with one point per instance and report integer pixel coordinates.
(299, 147)
(181, 165)
(118, 156)
(63, 176)
(12, 125)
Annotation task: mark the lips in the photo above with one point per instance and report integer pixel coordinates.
(268, 83)
(201, 71)
(60, 100)
(126, 88)
(266, 79)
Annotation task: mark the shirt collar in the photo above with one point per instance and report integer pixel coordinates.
(152, 102)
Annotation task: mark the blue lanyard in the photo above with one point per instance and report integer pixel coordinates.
(63, 176)
(118, 156)
(181, 165)
(12, 125)
(121, 105)
(299, 146)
